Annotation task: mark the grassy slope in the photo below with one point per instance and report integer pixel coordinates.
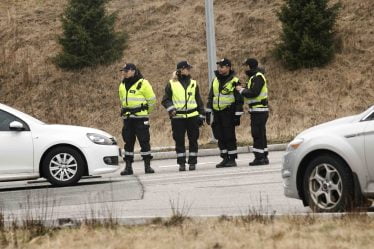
(164, 32)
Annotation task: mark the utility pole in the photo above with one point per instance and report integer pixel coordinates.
(211, 47)
(210, 39)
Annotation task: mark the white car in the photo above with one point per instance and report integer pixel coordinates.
(330, 167)
(62, 154)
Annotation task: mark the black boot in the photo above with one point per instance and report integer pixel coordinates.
(223, 162)
(147, 166)
(192, 167)
(128, 169)
(259, 162)
(231, 162)
(182, 167)
(266, 157)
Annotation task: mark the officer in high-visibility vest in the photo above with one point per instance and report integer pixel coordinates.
(256, 95)
(137, 102)
(183, 102)
(226, 104)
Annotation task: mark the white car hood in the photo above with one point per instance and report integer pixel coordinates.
(331, 125)
(74, 129)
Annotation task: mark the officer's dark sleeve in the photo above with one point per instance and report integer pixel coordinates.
(199, 101)
(167, 101)
(209, 105)
(255, 89)
(239, 101)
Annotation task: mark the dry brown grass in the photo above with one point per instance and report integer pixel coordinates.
(164, 32)
(282, 233)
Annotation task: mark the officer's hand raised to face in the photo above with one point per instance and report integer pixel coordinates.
(238, 88)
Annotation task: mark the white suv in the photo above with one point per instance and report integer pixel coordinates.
(330, 167)
(30, 149)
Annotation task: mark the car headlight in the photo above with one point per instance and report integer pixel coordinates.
(295, 144)
(100, 139)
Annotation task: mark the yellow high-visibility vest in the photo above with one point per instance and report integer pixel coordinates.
(184, 100)
(224, 98)
(139, 95)
(257, 103)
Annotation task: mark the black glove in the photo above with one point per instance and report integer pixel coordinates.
(172, 113)
(237, 120)
(208, 118)
(200, 121)
(122, 112)
(144, 106)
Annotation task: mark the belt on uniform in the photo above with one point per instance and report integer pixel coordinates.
(134, 110)
(263, 102)
(187, 112)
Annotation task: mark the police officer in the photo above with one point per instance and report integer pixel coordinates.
(256, 95)
(137, 101)
(183, 102)
(227, 106)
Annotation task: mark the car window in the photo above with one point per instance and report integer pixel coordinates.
(369, 117)
(6, 118)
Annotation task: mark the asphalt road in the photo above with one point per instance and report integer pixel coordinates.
(208, 191)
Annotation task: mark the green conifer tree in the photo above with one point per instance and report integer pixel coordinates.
(307, 38)
(88, 37)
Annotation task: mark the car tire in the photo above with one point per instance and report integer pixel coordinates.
(63, 166)
(328, 184)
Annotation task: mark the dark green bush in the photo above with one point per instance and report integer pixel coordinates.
(307, 38)
(88, 37)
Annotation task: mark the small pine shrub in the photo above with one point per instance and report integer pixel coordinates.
(307, 38)
(88, 37)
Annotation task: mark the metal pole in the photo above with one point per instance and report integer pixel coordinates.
(211, 46)
(210, 39)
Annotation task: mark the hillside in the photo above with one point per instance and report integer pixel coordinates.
(163, 32)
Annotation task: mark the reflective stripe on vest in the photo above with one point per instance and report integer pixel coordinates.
(224, 98)
(184, 100)
(255, 104)
(133, 98)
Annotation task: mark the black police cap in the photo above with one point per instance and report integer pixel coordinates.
(251, 62)
(128, 66)
(224, 62)
(183, 64)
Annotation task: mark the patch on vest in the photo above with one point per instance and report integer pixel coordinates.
(132, 91)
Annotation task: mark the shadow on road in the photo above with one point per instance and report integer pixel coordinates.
(48, 186)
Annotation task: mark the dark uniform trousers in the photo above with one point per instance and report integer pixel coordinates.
(258, 130)
(180, 126)
(136, 128)
(224, 131)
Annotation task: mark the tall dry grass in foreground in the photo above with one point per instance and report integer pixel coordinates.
(355, 231)
(161, 33)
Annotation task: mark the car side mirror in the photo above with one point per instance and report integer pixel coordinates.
(16, 126)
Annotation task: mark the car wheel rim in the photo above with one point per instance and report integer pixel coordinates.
(63, 167)
(325, 186)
